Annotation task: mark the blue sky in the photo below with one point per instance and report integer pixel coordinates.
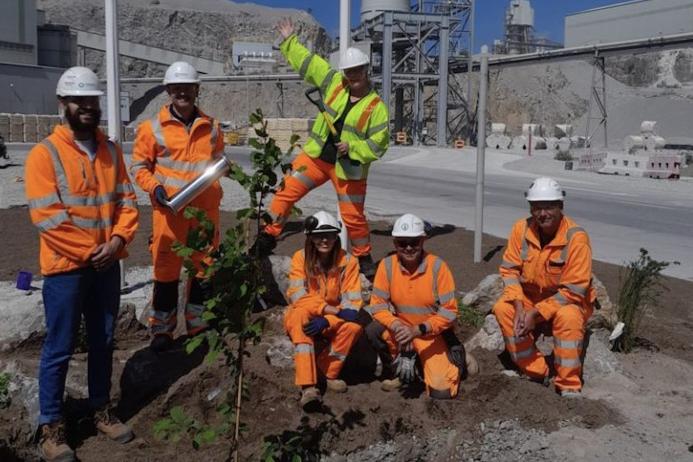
(548, 15)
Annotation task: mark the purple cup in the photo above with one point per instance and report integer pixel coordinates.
(24, 280)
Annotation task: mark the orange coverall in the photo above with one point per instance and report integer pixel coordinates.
(341, 288)
(167, 154)
(428, 297)
(556, 280)
(78, 204)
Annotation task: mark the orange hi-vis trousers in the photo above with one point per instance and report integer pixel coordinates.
(568, 330)
(442, 378)
(308, 174)
(168, 229)
(342, 336)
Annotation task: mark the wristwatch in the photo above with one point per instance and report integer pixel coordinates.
(423, 329)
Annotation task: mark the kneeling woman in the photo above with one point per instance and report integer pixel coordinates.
(325, 294)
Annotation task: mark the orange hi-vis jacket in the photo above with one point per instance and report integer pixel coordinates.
(551, 277)
(78, 204)
(425, 297)
(341, 287)
(166, 154)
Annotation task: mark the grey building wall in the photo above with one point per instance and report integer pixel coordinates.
(628, 21)
(28, 89)
(18, 31)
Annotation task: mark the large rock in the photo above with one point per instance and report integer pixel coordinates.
(21, 313)
(605, 316)
(599, 359)
(484, 296)
(23, 391)
(280, 352)
(489, 336)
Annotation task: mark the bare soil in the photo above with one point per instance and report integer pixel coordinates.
(147, 385)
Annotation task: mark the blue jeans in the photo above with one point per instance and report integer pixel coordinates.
(66, 297)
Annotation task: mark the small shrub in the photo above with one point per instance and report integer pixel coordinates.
(469, 316)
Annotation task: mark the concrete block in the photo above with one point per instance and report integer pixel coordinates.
(534, 129)
(648, 126)
(498, 141)
(498, 128)
(563, 130)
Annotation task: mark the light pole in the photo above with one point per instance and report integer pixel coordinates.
(480, 155)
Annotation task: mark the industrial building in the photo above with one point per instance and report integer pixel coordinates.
(519, 37)
(629, 21)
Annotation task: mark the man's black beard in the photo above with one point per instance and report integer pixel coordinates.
(77, 126)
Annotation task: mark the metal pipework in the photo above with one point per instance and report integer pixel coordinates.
(190, 191)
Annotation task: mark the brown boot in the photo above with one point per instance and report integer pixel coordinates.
(336, 385)
(112, 427)
(311, 400)
(53, 444)
(390, 384)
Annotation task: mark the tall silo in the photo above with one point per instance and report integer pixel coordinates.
(371, 8)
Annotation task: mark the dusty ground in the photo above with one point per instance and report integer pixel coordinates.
(496, 417)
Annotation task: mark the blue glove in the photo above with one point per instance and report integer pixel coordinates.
(348, 314)
(161, 196)
(315, 326)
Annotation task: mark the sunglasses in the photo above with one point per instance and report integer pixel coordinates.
(404, 243)
(323, 236)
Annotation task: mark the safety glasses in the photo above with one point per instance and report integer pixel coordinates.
(403, 243)
(317, 237)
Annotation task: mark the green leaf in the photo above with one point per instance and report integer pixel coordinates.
(208, 316)
(192, 344)
(177, 414)
(254, 143)
(296, 458)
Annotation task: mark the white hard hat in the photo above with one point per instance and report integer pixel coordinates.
(78, 81)
(353, 58)
(545, 189)
(181, 72)
(321, 222)
(409, 225)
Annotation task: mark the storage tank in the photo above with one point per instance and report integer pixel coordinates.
(371, 8)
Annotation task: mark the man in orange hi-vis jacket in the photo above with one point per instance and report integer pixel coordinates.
(81, 200)
(547, 272)
(170, 150)
(325, 294)
(414, 298)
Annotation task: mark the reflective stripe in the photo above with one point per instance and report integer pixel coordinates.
(512, 340)
(522, 353)
(567, 362)
(353, 198)
(183, 166)
(126, 203)
(381, 293)
(568, 344)
(511, 282)
(376, 128)
(168, 180)
(348, 304)
(437, 263)
(45, 201)
(60, 176)
(576, 289)
(388, 268)
(331, 112)
(560, 298)
(336, 354)
(124, 188)
(354, 130)
(304, 65)
(89, 201)
(375, 308)
(417, 310)
(165, 317)
(360, 241)
(194, 308)
(53, 222)
(297, 283)
(354, 295)
(327, 80)
(315, 137)
(296, 296)
(525, 245)
(375, 148)
(159, 136)
(134, 168)
(95, 223)
(447, 314)
(305, 179)
(509, 265)
(304, 348)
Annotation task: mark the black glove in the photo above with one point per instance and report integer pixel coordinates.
(161, 196)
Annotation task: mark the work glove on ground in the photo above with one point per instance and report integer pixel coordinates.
(161, 196)
(348, 314)
(315, 326)
(405, 367)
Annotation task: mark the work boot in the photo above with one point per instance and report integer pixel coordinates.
(391, 384)
(311, 400)
(53, 443)
(336, 385)
(264, 245)
(571, 394)
(161, 343)
(367, 267)
(112, 427)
